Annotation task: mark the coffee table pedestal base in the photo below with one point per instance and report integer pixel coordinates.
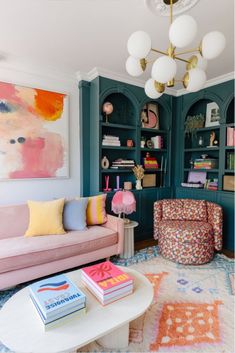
(117, 339)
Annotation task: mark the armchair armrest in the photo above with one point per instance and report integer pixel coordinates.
(215, 218)
(116, 224)
(157, 210)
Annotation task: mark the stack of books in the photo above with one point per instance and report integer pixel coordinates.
(57, 299)
(211, 184)
(107, 282)
(230, 160)
(150, 163)
(123, 163)
(208, 163)
(109, 140)
(230, 136)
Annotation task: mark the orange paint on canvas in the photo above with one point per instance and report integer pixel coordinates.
(49, 105)
(185, 324)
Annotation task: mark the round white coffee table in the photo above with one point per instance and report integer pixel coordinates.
(22, 331)
(128, 246)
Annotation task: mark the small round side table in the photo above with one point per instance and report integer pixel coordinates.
(128, 247)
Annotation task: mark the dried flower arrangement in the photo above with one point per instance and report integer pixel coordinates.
(138, 170)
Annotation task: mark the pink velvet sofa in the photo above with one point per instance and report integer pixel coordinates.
(26, 258)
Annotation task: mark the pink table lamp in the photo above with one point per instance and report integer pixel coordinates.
(123, 202)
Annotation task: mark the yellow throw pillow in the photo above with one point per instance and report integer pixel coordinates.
(45, 218)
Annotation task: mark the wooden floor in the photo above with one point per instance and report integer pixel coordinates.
(151, 242)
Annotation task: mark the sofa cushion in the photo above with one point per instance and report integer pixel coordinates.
(172, 210)
(74, 215)
(186, 231)
(14, 220)
(194, 210)
(45, 218)
(21, 252)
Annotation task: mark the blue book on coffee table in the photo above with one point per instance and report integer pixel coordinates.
(56, 296)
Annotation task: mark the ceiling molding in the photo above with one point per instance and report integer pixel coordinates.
(95, 72)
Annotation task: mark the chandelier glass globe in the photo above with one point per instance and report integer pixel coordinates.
(139, 44)
(194, 80)
(133, 66)
(164, 69)
(183, 31)
(213, 43)
(151, 89)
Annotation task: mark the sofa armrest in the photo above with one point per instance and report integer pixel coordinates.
(157, 210)
(116, 224)
(215, 218)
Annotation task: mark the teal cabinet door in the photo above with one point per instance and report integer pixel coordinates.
(226, 200)
(148, 197)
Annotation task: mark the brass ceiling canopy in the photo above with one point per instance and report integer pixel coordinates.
(162, 7)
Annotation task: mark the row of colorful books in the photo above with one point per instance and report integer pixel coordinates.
(205, 163)
(211, 184)
(230, 136)
(150, 163)
(58, 299)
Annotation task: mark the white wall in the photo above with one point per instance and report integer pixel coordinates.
(21, 190)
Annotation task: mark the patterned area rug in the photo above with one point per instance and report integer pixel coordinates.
(192, 310)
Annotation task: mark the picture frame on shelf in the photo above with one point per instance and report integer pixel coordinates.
(150, 116)
(212, 115)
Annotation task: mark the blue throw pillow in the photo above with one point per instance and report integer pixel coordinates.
(74, 215)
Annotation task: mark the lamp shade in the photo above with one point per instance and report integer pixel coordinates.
(133, 66)
(139, 44)
(164, 69)
(123, 202)
(213, 43)
(182, 31)
(150, 89)
(194, 80)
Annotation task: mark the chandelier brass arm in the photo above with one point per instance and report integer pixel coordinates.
(195, 50)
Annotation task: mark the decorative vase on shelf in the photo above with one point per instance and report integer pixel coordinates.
(138, 185)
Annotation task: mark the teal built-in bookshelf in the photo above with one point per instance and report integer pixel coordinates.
(175, 154)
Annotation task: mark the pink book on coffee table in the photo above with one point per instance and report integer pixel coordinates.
(106, 277)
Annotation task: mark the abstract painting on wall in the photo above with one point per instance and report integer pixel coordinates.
(33, 133)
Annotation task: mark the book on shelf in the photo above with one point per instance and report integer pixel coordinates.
(209, 163)
(211, 184)
(150, 163)
(109, 140)
(107, 282)
(110, 137)
(123, 163)
(56, 297)
(230, 136)
(230, 160)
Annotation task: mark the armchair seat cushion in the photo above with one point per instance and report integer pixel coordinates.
(186, 231)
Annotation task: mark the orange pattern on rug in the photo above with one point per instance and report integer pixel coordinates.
(137, 326)
(184, 324)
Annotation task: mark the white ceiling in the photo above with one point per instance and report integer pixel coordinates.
(77, 35)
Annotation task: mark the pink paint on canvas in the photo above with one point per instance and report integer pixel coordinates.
(33, 133)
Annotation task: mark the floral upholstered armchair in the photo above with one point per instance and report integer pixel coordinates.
(188, 231)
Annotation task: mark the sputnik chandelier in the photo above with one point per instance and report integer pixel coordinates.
(182, 32)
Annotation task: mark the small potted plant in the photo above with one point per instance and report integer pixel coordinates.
(139, 174)
(193, 123)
